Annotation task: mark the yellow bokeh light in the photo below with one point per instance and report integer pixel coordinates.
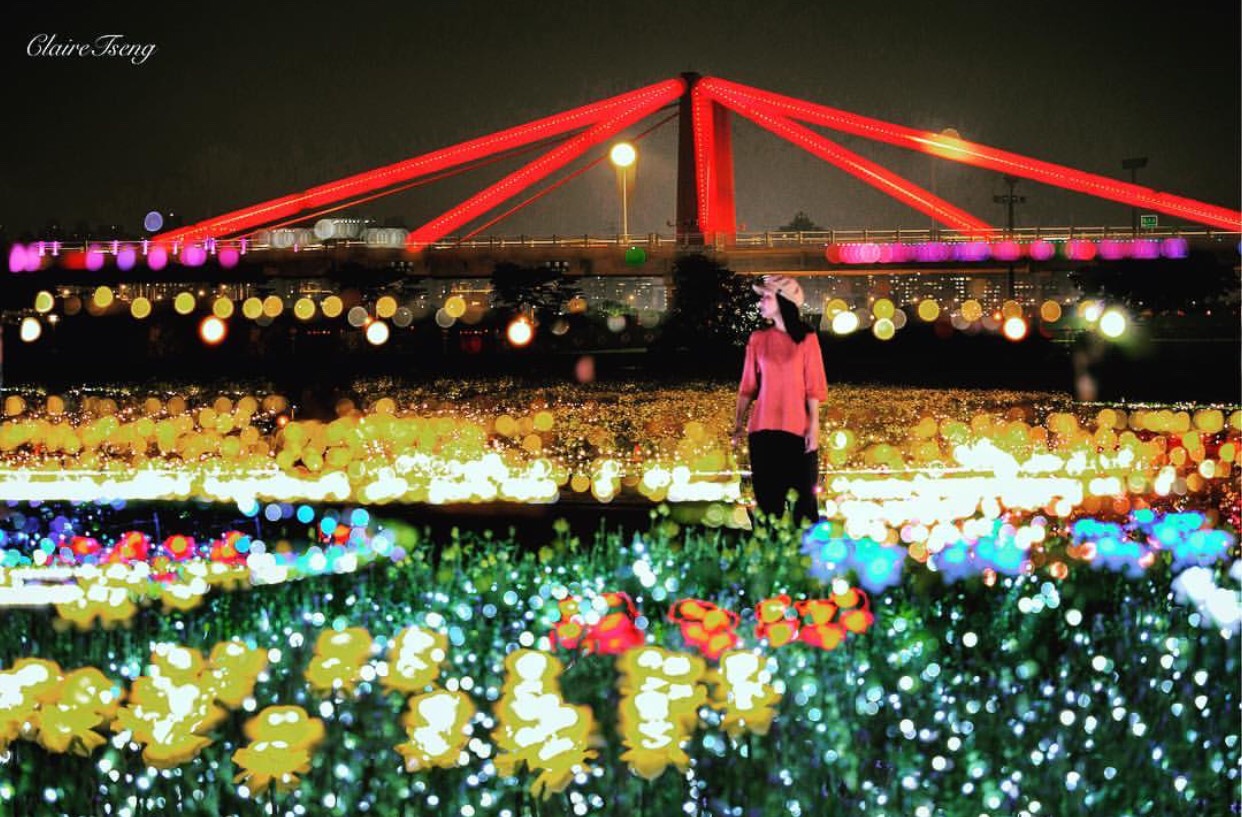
(835, 306)
(44, 302)
(928, 310)
(252, 308)
(1113, 323)
(304, 309)
(1011, 309)
(332, 306)
(103, 297)
(222, 307)
(455, 306)
(183, 303)
(386, 306)
(140, 307)
(1050, 311)
(883, 308)
(273, 306)
(883, 329)
(972, 310)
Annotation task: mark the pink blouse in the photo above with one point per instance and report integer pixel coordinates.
(780, 376)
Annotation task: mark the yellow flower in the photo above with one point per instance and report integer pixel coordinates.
(414, 659)
(234, 670)
(87, 700)
(170, 711)
(661, 692)
(741, 690)
(110, 604)
(338, 660)
(282, 739)
(437, 726)
(31, 682)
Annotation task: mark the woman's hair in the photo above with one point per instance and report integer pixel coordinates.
(792, 319)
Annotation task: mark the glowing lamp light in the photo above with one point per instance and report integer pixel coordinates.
(622, 154)
(43, 302)
(1113, 323)
(1011, 309)
(153, 221)
(1041, 250)
(193, 255)
(972, 251)
(140, 307)
(1080, 250)
(252, 308)
(386, 306)
(183, 304)
(31, 329)
(520, 332)
(377, 333)
(883, 329)
(882, 308)
(229, 256)
(1145, 249)
(357, 317)
(304, 309)
(928, 310)
(157, 258)
(844, 322)
(222, 307)
(212, 330)
(332, 306)
(273, 306)
(17, 258)
(455, 306)
(103, 297)
(1014, 328)
(972, 310)
(1112, 249)
(1091, 311)
(1006, 250)
(1050, 311)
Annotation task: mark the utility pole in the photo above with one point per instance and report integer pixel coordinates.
(1133, 166)
(1009, 199)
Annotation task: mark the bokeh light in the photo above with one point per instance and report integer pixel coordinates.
(184, 303)
(1014, 328)
(332, 306)
(212, 330)
(843, 323)
(140, 307)
(30, 329)
(377, 333)
(520, 332)
(1113, 323)
(1050, 311)
(928, 310)
(304, 309)
(222, 307)
(883, 329)
(44, 301)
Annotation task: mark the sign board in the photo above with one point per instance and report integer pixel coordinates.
(1149, 221)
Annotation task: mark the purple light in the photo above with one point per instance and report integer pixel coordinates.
(1112, 250)
(157, 258)
(243, 246)
(228, 257)
(971, 251)
(1146, 249)
(1041, 250)
(126, 258)
(192, 255)
(153, 221)
(94, 259)
(1175, 248)
(17, 258)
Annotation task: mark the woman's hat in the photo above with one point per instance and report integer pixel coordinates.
(781, 285)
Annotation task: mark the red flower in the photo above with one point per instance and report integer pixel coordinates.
(225, 549)
(569, 629)
(616, 631)
(824, 636)
(772, 621)
(705, 626)
(84, 545)
(131, 547)
(179, 547)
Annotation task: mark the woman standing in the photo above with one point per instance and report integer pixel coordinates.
(784, 378)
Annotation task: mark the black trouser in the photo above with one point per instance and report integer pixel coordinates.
(779, 463)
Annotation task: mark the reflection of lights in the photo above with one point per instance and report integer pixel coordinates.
(212, 330)
(357, 317)
(1113, 323)
(183, 303)
(844, 322)
(972, 310)
(928, 310)
(1050, 311)
(1011, 309)
(304, 309)
(377, 332)
(31, 329)
(443, 319)
(103, 297)
(252, 308)
(883, 329)
(332, 306)
(140, 307)
(455, 306)
(520, 331)
(222, 307)
(1014, 328)
(44, 302)
(273, 306)
(386, 306)
(883, 308)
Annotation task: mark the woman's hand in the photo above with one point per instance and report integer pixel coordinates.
(739, 436)
(812, 436)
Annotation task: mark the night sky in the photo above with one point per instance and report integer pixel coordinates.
(242, 102)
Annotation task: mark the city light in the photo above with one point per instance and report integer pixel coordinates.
(622, 154)
(377, 333)
(520, 331)
(1014, 328)
(212, 330)
(31, 329)
(1113, 323)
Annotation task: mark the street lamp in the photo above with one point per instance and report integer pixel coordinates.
(623, 157)
(1133, 166)
(1009, 200)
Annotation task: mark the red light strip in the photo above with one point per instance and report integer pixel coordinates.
(362, 183)
(970, 153)
(638, 105)
(873, 174)
(704, 153)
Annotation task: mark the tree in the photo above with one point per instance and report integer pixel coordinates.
(712, 307)
(542, 290)
(801, 223)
